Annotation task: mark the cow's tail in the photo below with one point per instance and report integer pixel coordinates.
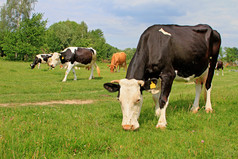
(98, 70)
(214, 48)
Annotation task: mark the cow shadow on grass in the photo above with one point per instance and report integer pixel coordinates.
(94, 78)
(177, 106)
(84, 79)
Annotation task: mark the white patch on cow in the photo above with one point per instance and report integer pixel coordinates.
(182, 79)
(42, 60)
(164, 32)
(131, 101)
(72, 49)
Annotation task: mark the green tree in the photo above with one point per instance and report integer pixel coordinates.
(14, 11)
(231, 54)
(98, 42)
(130, 53)
(27, 40)
(221, 54)
(68, 33)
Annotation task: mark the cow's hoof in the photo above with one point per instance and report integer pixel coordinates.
(161, 126)
(194, 110)
(130, 127)
(208, 110)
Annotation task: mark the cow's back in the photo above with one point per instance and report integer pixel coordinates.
(119, 58)
(184, 48)
(122, 58)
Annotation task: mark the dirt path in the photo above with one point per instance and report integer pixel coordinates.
(47, 103)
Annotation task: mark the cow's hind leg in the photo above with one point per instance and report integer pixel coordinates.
(208, 106)
(75, 76)
(91, 75)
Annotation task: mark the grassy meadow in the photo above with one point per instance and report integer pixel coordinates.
(94, 130)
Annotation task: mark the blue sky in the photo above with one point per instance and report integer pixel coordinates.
(123, 21)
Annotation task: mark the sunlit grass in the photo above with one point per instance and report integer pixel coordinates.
(94, 130)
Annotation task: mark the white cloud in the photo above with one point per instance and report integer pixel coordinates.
(123, 21)
(125, 4)
(2, 2)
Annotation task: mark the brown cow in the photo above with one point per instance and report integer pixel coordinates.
(118, 59)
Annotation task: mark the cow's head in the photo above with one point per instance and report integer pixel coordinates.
(112, 67)
(130, 97)
(54, 60)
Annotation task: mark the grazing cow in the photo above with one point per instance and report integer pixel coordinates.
(219, 66)
(118, 59)
(75, 56)
(164, 52)
(40, 58)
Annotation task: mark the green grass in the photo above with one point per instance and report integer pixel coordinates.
(94, 130)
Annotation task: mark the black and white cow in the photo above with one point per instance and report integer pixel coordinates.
(165, 52)
(219, 66)
(40, 58)
(75, 56)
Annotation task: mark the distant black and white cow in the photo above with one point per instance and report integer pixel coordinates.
(40, 58)
(165, 52)
(219, 66)
(75, 56)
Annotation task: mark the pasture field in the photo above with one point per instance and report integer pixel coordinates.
(31, 130)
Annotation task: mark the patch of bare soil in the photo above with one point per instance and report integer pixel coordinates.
(69, 102)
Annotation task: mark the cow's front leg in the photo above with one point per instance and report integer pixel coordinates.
(166, 85)
(162, 115)
(119, 68)
(195, 106)
(156, 100)
(70, 66)
(116, 67)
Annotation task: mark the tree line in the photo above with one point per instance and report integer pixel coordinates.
(23, 35)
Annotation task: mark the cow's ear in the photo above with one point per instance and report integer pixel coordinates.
(111, 87)
(149, 84)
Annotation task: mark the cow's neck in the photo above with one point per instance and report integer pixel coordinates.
(136, 69)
